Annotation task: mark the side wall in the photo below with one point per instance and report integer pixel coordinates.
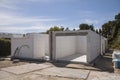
(47, 53)
(94, 45)
(103, 45)
(41, 45)
(81, 45)
(25, 52)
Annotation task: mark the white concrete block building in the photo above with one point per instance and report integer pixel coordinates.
(76, 46)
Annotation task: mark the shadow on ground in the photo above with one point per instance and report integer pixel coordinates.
(102, 63)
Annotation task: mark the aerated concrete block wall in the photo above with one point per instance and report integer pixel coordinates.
(60, 44)
(94, 45)
(68, 43)
(37, 46)
(81, 44)
(41, 43)
(85, 42)
(103, 45)
(65, 46)
(25, 52)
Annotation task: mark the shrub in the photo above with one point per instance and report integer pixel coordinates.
(116, 43)
(5, 47)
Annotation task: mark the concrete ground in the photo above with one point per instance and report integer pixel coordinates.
(46, 71)
(22, 70)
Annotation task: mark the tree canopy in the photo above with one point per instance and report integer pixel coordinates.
(111, 30)
(55, 28)
(85, 26)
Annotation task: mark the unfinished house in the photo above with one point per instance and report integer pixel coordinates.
(76, 46)
(73, 46)
(32, 46)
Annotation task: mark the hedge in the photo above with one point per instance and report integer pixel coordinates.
(5, 47)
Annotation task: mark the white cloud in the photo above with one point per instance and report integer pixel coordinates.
(86, 12)
(89, 21)
(40, 0)
(49, 1)
(7, 19)
(24, 29)
(19, 24)
(8, 4)
(13, 4)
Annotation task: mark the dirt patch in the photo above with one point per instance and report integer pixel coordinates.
(6, 62)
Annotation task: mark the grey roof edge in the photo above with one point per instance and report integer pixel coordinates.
(71, 31)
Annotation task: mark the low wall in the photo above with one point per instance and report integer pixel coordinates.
(37, 46)
(25, 52)
(41, 45)
(94, 45)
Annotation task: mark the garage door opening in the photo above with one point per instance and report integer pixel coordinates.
(69, 46)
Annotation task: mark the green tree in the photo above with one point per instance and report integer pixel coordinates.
(117, 17)
(55, 28)
(62, 28)
(92, 27)
(96, 31)
(74, 29)
(67, 29)
(84, 26)
(111, 30)
(100, 31)
(106, 30)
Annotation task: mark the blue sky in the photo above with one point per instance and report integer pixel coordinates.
(23, 16)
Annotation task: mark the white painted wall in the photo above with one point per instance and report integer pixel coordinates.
(65, 46)
(81, 44)
(68, 45)
(46, 39)
(24, 52)
(94, 45)
(38, 46)
(103, 44)
(41, 43)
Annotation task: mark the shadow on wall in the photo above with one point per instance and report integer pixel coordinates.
(18, 49)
